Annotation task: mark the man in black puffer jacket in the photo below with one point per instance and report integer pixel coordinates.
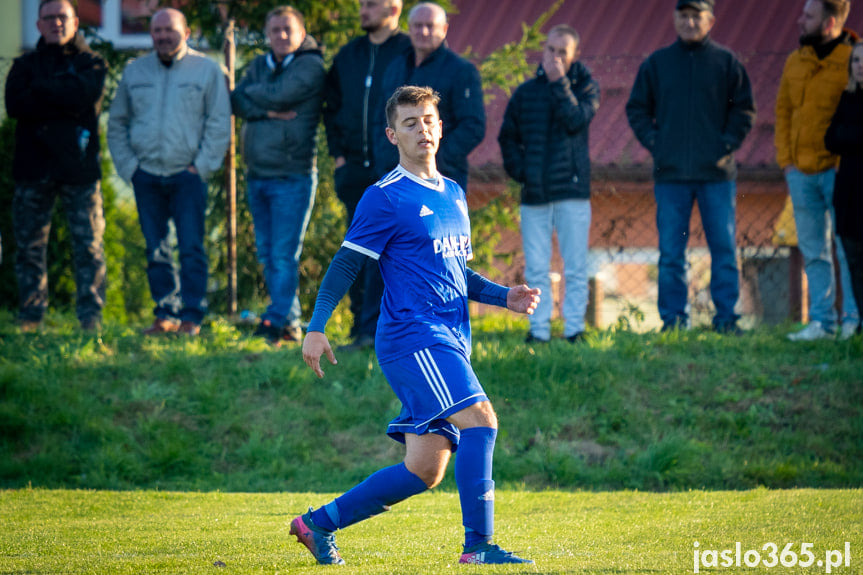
(544, 141)
(691, 106)
(55, 93)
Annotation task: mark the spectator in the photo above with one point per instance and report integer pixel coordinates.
(544, 140)
(55, 93)
(357, 69)
(280, 97)
(812, 83)
(168, 131)
(692, 124)
(845, 137)
(430, 63)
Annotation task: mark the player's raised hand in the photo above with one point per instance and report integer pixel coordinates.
(523, 299)
(315, 345)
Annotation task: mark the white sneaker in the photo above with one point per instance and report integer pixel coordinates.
(811, 332)
(849, 330)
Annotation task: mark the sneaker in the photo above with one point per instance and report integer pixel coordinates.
(322, 544)
(849, 330)
(189, 328)
(362, 343)
(489, 554)
(814, 330)
(533, 339)
(292, 334)
(269, 332)
(161, 326)
(576, 337)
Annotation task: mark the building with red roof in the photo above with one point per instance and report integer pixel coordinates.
(615, 38)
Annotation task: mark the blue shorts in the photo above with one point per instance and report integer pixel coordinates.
(432, 384)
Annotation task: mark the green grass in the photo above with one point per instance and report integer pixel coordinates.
(658, 412)
(624, 532)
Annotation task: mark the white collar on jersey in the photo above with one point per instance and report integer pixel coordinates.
(437, 185)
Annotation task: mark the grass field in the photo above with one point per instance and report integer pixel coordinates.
(136, 532)
(125, 454)
(658, 412)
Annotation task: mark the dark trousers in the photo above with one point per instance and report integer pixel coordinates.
(854, 254)
(182, 198)
(32, 210)
(351, 181)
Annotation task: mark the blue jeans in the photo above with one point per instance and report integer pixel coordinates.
(717, 203)
(183, 199)
(571, 220)
(812, 198)
(281, 209)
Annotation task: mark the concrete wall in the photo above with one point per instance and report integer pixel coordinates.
(10, 42)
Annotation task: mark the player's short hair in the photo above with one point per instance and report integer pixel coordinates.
(72, 3)
(839, 9)
(285, 11)
(409, 96)
(567, 30)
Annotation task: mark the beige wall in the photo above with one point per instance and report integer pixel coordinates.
(10, 42)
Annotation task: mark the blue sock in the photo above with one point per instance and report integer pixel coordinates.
(371, 497)
(473, 463)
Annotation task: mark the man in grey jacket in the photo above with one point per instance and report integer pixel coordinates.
(280, 98)
(168, 131)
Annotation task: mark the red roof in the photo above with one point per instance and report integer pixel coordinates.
(616, 37)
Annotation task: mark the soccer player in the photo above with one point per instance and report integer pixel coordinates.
(414, 222)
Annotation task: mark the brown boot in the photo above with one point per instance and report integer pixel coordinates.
(161, 326)
(189, 328)
(28, 325)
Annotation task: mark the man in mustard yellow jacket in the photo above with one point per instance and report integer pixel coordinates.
(812, 82)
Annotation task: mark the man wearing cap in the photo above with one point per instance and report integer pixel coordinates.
(691, 106)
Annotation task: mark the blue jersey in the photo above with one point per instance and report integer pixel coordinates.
(419, 232)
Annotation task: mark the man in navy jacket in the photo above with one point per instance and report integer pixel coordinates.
(358, 69)
(430, 63)
(691, 106)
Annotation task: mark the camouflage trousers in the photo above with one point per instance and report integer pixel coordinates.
(32, 208)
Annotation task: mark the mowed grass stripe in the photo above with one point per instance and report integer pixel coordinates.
(104, 532)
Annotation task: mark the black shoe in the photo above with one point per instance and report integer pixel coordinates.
(533, 339)
(576, 337)
(728, 329)
(362, 343)
(92, 324)
(268, 331)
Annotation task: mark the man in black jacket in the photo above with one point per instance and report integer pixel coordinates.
(55, 93)
(691, 106)
(544, 142)
(430, 63)
(358, 69)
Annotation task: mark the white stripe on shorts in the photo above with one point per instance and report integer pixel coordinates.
(434, 378)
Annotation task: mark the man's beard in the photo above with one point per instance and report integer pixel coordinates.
(812, 38)
(371, 27)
